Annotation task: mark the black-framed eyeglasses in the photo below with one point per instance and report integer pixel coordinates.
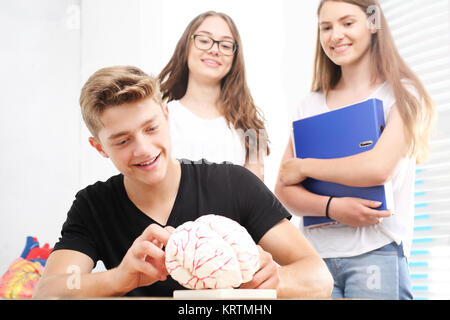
(202, 42)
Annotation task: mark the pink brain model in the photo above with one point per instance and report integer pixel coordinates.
(212, 252)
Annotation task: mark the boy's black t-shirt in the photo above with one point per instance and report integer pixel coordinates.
(103, 222)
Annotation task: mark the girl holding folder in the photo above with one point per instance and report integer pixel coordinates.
(212, 112)
(356, 59)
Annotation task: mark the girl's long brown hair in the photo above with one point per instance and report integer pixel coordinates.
(235, 100)
(418, 113)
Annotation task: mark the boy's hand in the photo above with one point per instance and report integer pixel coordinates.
(290, 172)
(267, 276)
(144, 262)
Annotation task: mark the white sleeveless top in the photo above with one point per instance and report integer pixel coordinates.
(338, 241)
(195, 138)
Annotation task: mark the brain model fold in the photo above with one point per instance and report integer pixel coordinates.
(212, 252)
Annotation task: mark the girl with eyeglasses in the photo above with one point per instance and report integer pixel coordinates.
(212, 113)
(356, 59)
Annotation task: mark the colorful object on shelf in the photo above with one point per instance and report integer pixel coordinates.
(30, 244)
(22, 276)
(20, 279)
(39, 254)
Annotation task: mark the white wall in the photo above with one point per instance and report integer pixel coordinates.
(39, 121)
(52, 48)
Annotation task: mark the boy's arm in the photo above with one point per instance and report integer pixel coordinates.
(68, 273)
(302, 272)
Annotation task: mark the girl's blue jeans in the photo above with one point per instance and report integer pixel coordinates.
(379, 274)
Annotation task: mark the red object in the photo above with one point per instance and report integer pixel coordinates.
(40, 253)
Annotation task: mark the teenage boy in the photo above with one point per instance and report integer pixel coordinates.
(127, 220)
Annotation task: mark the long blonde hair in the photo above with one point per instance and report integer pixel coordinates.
(418, 114)
(236, 102)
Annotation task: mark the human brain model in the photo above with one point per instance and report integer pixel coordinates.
(212, 252)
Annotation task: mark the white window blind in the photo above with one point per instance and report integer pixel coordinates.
(421, 30)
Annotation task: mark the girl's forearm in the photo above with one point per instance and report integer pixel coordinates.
(300, 201)
(360, 170)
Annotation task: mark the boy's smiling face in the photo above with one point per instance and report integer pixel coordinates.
(135, 136)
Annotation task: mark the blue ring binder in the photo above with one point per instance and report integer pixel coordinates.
(336, 134)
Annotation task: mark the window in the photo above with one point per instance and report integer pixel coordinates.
(421, 30)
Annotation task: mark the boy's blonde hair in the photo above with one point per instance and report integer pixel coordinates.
(114, 86)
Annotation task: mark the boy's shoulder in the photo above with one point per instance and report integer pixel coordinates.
(111, 185)
(204, 166)
(223, 175)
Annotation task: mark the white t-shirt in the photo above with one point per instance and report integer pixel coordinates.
(340, 240)
(195, 138)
